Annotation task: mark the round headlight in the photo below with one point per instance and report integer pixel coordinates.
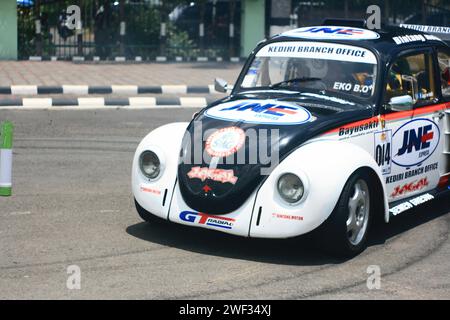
(149, 164)
(290, 187)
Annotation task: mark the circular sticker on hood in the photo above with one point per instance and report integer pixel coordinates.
(332, 33)
(225, 142)
(260, 111)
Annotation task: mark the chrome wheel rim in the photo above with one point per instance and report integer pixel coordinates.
(358, 215)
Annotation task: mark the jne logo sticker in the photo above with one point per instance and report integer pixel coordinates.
(415, 142)
(332, 32)
(260, 111)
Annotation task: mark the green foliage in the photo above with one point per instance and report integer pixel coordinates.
(179, 44)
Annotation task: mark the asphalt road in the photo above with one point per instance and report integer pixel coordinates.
(72, 205)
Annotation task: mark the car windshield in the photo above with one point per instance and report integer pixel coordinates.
(302, 65)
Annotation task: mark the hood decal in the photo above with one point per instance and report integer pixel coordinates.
(332, 33)
(225, 142)
(270, 112)
(219, 168)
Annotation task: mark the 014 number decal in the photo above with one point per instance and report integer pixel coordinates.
(383, 150)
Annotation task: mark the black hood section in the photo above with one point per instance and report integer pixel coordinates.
(218, 197)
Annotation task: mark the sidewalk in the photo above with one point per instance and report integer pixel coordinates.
(58, 73)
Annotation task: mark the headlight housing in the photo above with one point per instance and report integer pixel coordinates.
(290, 187)
(150, 164)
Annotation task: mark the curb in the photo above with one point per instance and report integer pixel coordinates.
(114, 89)
(136, 59)
(43, 103)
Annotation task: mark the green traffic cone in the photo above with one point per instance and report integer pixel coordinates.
(6, 142)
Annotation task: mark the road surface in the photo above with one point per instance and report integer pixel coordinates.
(72, 205)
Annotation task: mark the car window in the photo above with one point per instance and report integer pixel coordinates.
(410, 82)
(444, 72)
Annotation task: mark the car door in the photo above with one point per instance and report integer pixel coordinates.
(411, 143)
(443, 78)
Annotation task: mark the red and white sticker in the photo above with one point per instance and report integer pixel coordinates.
(410, 187)
(220, 175)
(225, 142)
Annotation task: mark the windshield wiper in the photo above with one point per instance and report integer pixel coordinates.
(303, 79)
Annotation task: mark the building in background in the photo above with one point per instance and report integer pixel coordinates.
(179, 28)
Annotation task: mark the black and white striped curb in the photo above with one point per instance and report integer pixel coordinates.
(42, 103)
(115, 89)
(137, 59)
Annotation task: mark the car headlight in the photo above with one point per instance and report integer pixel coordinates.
(150, 164)
(290, 187)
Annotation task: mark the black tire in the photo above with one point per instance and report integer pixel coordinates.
(333, 235)
(145, 215)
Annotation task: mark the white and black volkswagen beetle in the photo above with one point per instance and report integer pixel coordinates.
(327, 129)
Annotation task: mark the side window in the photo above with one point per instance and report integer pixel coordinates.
(444, 71)
(410, 82)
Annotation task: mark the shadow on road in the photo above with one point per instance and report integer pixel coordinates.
(295, 251)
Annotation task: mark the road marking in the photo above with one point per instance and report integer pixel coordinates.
(142, 101)
(91, 102)
(192, 102)
(19, 213)
(109, 211)
(174, 89)
(124, 89)
(75, 89)
(37, 102)
(19, 90)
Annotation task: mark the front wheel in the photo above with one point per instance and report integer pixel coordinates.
(145, 215)
(344, 233)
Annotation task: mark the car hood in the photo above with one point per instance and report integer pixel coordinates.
(231, 146)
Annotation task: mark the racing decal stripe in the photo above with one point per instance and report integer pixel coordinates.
(205, 215)
(352, 124)
(415, 112)
(395, 116)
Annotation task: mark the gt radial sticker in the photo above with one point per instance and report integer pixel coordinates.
(261, 112)
(414, 142)
(332, 32)
(220, 175)
(225, 142)
(206, 219)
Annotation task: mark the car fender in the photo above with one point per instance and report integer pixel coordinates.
(155, 195)
(324, 167)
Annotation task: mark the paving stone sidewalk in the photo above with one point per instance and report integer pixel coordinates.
(55, 73)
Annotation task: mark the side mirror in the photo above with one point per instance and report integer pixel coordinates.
(220, 85)
(401, 103)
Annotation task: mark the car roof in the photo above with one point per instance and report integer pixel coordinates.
(386, 41)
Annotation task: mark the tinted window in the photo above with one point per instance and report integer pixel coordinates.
(444, 71)
(411, 76)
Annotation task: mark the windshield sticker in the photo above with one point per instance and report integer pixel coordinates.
(348, 87)
(332, 32)
(428, 29)
(260, 111)
(414, 38)
(318, 50)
